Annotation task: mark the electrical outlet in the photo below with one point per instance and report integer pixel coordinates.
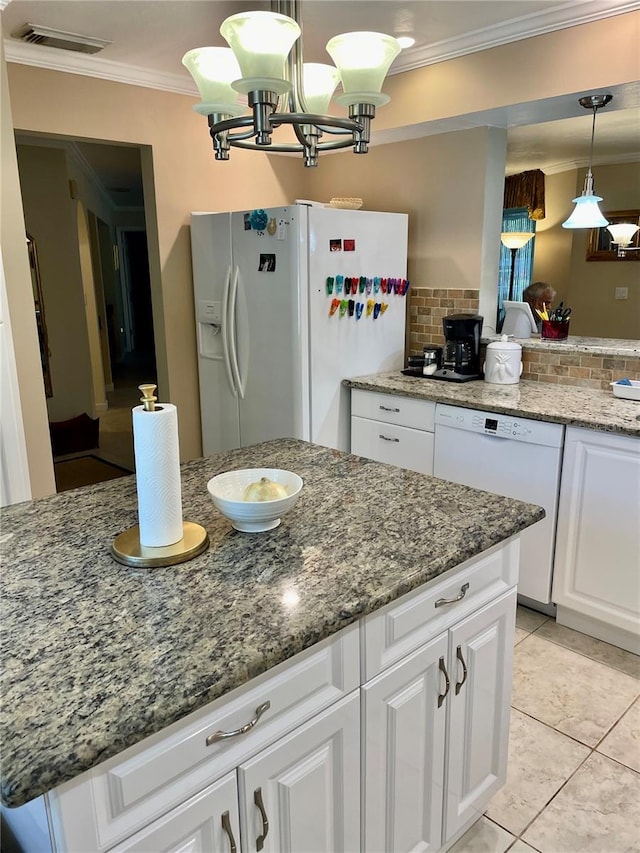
(622, 292)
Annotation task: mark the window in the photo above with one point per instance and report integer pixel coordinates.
(515, 219)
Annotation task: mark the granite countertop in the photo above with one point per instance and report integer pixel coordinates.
(97, 656)
(542, 401)
(618, 347)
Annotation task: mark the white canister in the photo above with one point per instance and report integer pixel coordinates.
(503, 364)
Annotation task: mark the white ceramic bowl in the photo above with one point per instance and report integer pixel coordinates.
(227, 489)
(628, 392)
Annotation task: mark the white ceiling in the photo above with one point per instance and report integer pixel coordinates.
(149, 37)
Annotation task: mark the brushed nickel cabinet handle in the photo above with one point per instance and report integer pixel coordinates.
(388, 409)
(463, 591)
(257, 799)
(447, 683)
(464, 670)
(226, 825)
(386, 438)
(220, 735)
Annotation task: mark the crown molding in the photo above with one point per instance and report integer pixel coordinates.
(573, 165)
(89, 65)
(559, 17)
(4, 4)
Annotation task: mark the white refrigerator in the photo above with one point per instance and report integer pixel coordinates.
(289, 301)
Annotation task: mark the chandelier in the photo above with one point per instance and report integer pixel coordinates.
(264, 62)
(586, 213)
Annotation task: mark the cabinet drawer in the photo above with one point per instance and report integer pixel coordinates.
(396, 445)
(392, 409)
(142, 783)
(402, 626)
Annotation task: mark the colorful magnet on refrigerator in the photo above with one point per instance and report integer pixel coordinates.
(376, 310)
(362, 284)
(376, 284)
(369, 285)
(384, 307)
(383, 285)
(370, 304)
(335, 304)
(258, 219)
(354, 286)
(352, 306)
(329, 285)
(272, 226)
(339, 283)
(343, 307)
(359, 309)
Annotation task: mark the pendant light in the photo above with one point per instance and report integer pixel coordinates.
(586, 213)
(264, 62)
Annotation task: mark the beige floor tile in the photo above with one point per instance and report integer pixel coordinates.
(598, 811)
(520, 635)
(521, 847)
(540, 761)
(575, 695)
(528, 620)
(590, 647)
(483, 837)
(623, 741)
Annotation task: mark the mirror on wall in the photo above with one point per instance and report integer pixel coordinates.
(40, 317)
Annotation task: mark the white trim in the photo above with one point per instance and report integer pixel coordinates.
(562, 16)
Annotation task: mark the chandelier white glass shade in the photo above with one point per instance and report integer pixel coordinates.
(586, 213)
(622, 233)
(281, 90)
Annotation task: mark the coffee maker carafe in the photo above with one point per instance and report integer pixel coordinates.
(461, 356)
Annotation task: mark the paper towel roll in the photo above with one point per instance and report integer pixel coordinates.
(155, 444)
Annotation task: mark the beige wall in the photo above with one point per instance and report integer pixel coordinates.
(560, 254)
(20, 302)
(50, 218)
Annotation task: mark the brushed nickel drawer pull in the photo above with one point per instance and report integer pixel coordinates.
(463, 591)
(220, 735)
(257, 799)
(464, 670)
(388, 409)
(447, 683)
(226, 825)
(386, 438)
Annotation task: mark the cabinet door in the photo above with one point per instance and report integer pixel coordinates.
(480, 668)
(404, 735)
(302, 795)
(597, 562)
(395, 445)
(206, 823)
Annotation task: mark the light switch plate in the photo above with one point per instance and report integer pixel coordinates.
(622, 292)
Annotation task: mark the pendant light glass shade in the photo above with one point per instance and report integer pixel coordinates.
(622, 233)
(363, 60)
(515, 239)
(586, 213)
(318, 84)
(261, 42)
(214, 69)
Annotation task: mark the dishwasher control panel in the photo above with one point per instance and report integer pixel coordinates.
(500, 425)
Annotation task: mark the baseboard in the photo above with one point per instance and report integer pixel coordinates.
(600, 630)
(101, 408)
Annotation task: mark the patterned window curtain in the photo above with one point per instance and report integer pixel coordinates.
(525, 190)
(515, 220)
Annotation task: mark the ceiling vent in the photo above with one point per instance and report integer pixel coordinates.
(36, 34)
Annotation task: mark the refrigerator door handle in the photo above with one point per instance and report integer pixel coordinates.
(226, 325)
(233, 350)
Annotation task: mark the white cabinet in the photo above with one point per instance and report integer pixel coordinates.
(303, 793)
(207, 822)
(436, 734)
(597, 559)
(392, 429)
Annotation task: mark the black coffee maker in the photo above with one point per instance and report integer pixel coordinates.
(461, 354)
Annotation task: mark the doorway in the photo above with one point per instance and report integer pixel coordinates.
(114, 349)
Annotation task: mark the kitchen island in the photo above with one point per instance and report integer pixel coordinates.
(99, 656)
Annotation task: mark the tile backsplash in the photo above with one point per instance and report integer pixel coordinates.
(428, 305)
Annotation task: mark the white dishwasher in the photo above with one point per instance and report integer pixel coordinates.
(516, 457)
